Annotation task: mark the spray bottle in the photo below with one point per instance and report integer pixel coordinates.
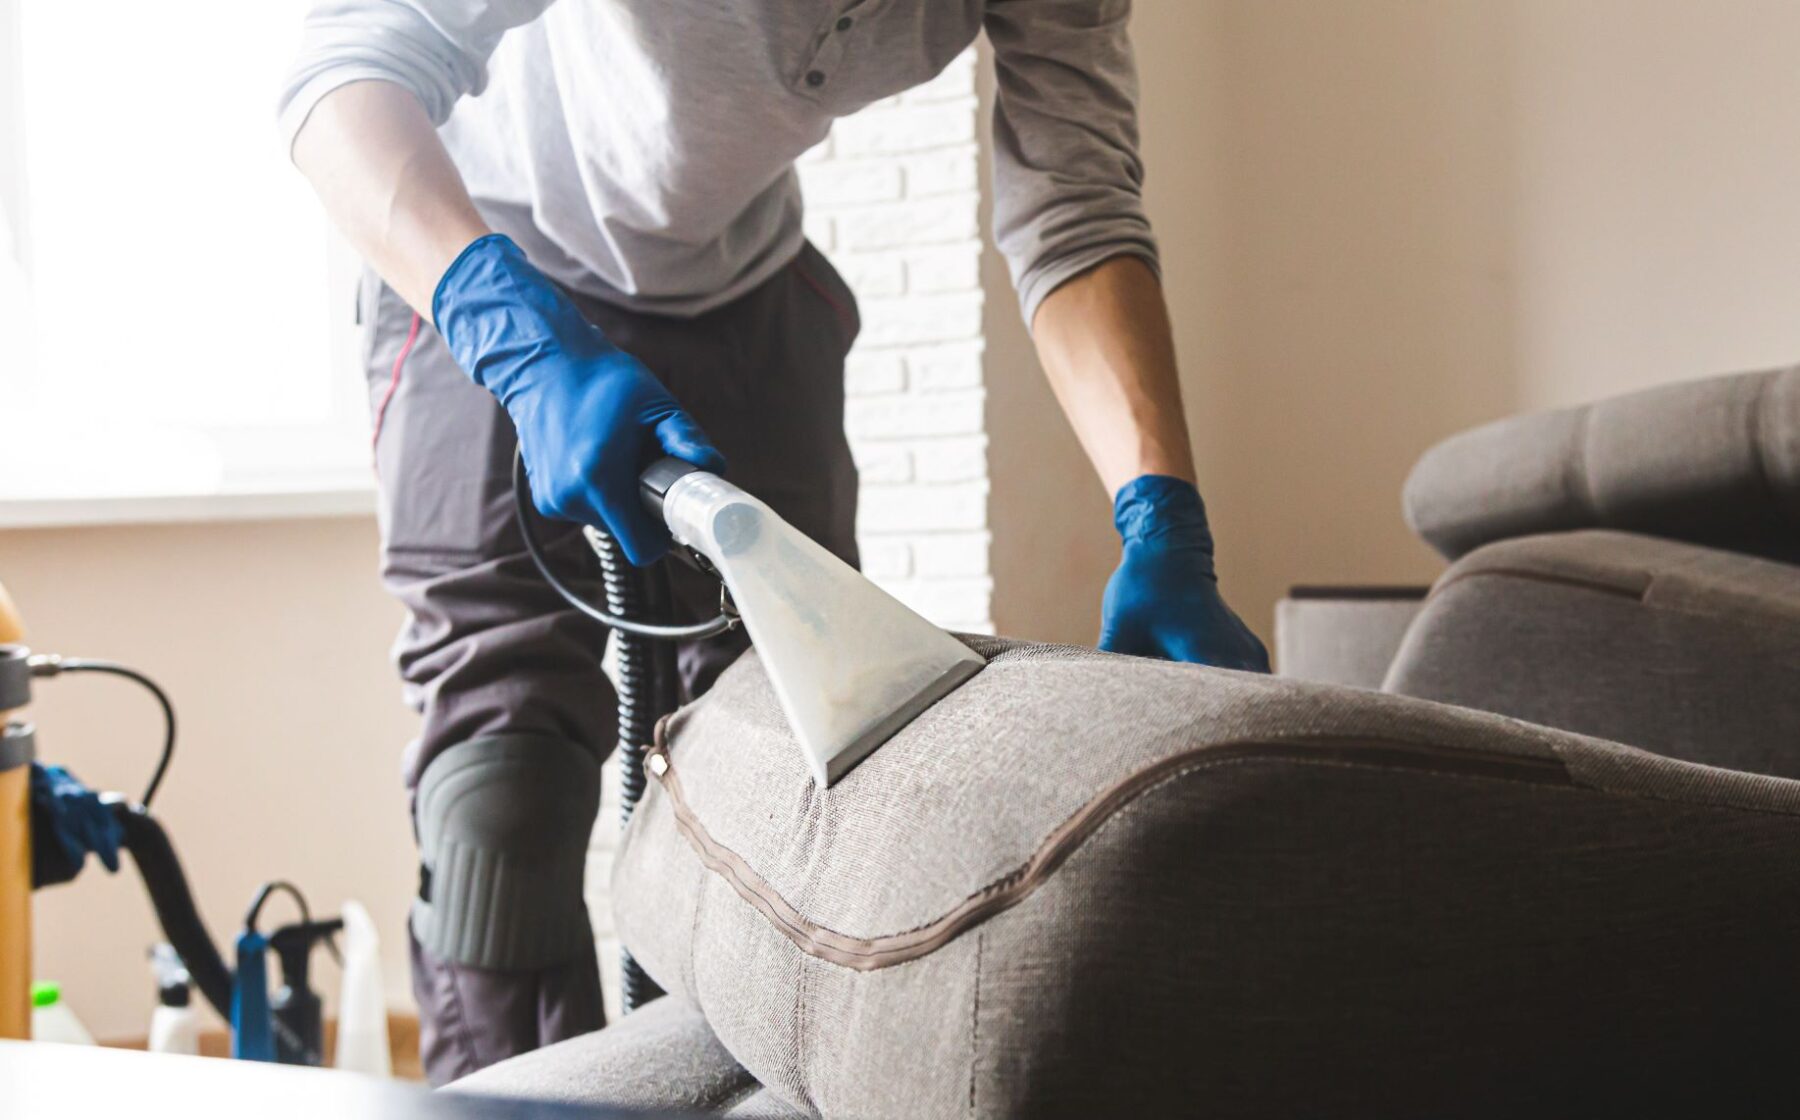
(175, 1024)
(362, 1041)
(253, 1026)
(299, 1014)
(252, 1023)
(51, 1019)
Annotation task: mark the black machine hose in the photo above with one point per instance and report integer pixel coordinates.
(152, 853)
(609, 618)
(173, 902)
(54, 665)
(141, 835)
(646, 675)
(646, 681)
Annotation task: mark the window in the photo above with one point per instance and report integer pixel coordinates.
(175, 320)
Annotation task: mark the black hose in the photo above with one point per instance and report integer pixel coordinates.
(262, 897)
(173, 902)
(609, 618)
(643, 679)
(52, 665)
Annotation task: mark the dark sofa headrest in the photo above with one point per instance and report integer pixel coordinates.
(1714, 462)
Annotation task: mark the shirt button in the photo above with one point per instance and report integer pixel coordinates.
(815, 78)
(845, 23)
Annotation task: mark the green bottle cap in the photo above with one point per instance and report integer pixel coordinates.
(45, 993)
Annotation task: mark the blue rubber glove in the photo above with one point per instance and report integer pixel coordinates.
(590, 417)
(1164, 600)
(68, 821)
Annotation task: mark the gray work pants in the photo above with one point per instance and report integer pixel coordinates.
(489, 650)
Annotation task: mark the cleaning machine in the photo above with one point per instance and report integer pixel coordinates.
(850, 664)
(49, 822)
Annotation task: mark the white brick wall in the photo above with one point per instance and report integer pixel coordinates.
(892, 198)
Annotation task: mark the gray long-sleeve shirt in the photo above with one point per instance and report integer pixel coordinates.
(642, 151)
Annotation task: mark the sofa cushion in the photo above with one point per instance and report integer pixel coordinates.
(660, 1057)
(1713, 462)
(1094, 884)
(1687, 651)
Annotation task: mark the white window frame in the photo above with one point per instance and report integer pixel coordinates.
(301, 470)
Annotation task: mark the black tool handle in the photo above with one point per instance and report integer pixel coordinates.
(654, 483)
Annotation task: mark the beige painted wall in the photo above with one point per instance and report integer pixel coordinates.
(1385, 220)
(272, 640)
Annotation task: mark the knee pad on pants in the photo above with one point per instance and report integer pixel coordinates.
(503, 825)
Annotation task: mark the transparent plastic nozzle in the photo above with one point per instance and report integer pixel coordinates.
(851, 665)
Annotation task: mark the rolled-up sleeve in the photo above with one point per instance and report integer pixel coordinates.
(1068, 180)
(438, 49)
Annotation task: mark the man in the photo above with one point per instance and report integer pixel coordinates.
(613, 227)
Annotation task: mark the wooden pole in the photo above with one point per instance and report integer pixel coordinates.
(15, 863)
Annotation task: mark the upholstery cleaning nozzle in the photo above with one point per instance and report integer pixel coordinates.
(850, 664)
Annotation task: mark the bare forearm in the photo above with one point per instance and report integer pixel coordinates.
(1106, 346)
(389, 185)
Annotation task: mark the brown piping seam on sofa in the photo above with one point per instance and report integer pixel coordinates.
(1600, 586)
(866, 954)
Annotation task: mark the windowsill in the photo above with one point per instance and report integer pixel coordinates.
(57, 472)
(266, 504)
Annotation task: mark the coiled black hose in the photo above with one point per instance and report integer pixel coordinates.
(643, 678)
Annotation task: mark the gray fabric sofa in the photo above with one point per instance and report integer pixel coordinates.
(1629, 569)
(1087, 884)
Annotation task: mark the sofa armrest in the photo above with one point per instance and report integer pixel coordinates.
(1690, 652)
(1342, 635)
(1090, 885)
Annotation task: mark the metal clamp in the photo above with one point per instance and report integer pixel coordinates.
(15, 677)
(18, 745)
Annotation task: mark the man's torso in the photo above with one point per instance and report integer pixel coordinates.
(643, 150)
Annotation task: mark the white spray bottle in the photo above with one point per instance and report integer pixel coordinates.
(175, 1024)
(362, 1039)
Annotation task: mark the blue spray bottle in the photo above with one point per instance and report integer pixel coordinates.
(252, 1023)
(252, 1018)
